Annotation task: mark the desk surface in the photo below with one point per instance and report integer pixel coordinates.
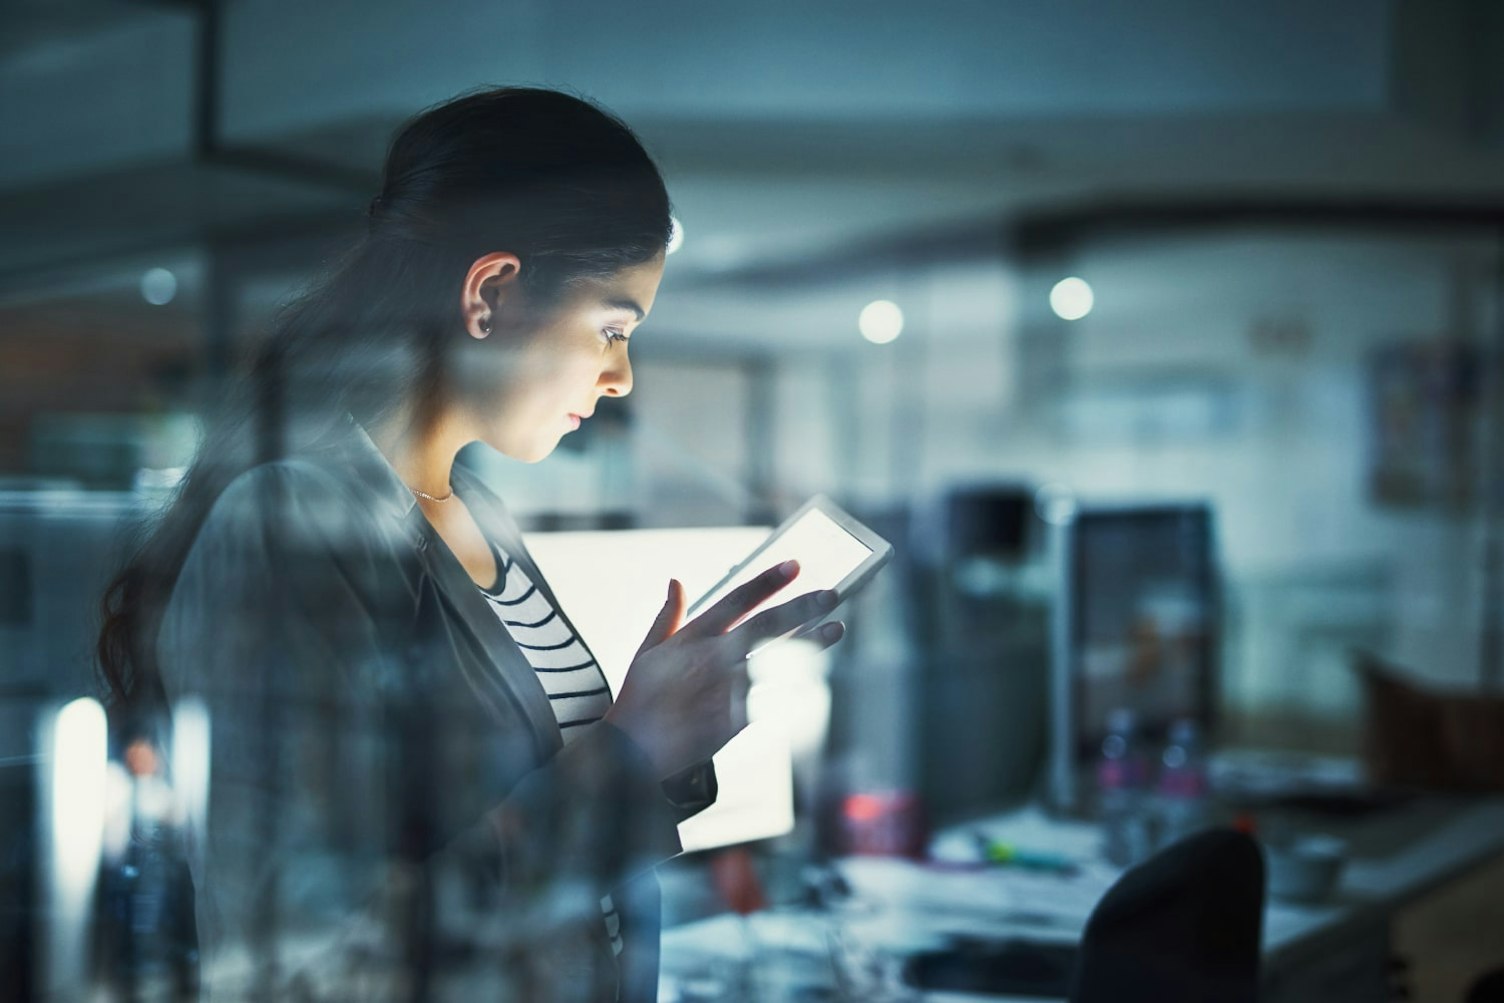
(1397, 856)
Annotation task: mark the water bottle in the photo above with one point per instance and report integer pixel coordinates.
(1182, 785)
(1121, 781)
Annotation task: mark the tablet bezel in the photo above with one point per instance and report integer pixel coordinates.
(881, 551)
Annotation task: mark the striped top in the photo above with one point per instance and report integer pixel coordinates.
(576, 687)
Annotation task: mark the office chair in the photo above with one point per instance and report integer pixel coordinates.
(1183, 926)
(1487, 988)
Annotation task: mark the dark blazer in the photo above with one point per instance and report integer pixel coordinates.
(392, 811)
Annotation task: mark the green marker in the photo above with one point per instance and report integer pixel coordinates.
(1007, 855)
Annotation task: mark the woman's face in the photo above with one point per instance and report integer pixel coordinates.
(554, 372)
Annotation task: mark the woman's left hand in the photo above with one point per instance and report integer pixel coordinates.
(685, 694)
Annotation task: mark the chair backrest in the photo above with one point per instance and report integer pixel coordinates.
(1182, 926)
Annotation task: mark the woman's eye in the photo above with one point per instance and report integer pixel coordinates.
(613, 335)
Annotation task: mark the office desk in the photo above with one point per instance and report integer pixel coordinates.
(1329, 953)
(1319, 952)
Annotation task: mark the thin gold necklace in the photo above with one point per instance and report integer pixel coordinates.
(432, 498)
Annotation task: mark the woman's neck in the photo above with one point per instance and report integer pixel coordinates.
(423, 454)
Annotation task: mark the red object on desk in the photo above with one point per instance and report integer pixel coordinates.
(884, 824)
(735, 877)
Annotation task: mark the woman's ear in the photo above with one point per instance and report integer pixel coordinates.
(490, 281)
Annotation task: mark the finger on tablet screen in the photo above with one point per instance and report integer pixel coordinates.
(787, 617)
(741, 600)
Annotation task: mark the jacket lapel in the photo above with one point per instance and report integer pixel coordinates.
(508, 667)
(477, 619)
(498, 525)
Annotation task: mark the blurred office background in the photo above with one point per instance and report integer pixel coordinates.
(1285, 223)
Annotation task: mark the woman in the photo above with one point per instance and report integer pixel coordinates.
(420, 785)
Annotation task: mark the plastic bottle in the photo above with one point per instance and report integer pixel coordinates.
(1182, 787)
(1121, 791)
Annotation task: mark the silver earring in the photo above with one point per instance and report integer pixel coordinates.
(485, 325)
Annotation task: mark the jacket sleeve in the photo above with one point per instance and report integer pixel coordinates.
(356, 788)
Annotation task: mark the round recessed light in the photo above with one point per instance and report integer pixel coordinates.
(880, 321)
(1071, 299)
(158, 286)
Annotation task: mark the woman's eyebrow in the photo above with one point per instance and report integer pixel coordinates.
(624, 303)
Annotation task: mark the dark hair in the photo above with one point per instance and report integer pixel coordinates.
(550, 177)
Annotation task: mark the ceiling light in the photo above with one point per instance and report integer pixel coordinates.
(158, 286)
(1071, 299)
(880, 321)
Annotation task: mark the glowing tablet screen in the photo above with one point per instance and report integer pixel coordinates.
(826, 553)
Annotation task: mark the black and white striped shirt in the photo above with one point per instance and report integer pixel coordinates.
(576, 687)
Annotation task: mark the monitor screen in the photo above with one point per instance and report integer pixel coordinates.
(1143, 618)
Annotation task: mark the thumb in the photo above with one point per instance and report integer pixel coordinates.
(668, 619)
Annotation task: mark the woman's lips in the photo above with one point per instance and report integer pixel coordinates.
(574, 421)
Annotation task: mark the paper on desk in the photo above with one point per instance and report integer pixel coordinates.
(1000, 894)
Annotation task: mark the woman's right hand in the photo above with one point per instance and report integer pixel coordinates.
(685, 694)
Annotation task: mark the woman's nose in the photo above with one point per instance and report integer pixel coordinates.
(616, 381)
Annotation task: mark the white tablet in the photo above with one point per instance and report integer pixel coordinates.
(834, 551)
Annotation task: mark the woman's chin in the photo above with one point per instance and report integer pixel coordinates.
(526, 451)
(546, 449)
(534, 452)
